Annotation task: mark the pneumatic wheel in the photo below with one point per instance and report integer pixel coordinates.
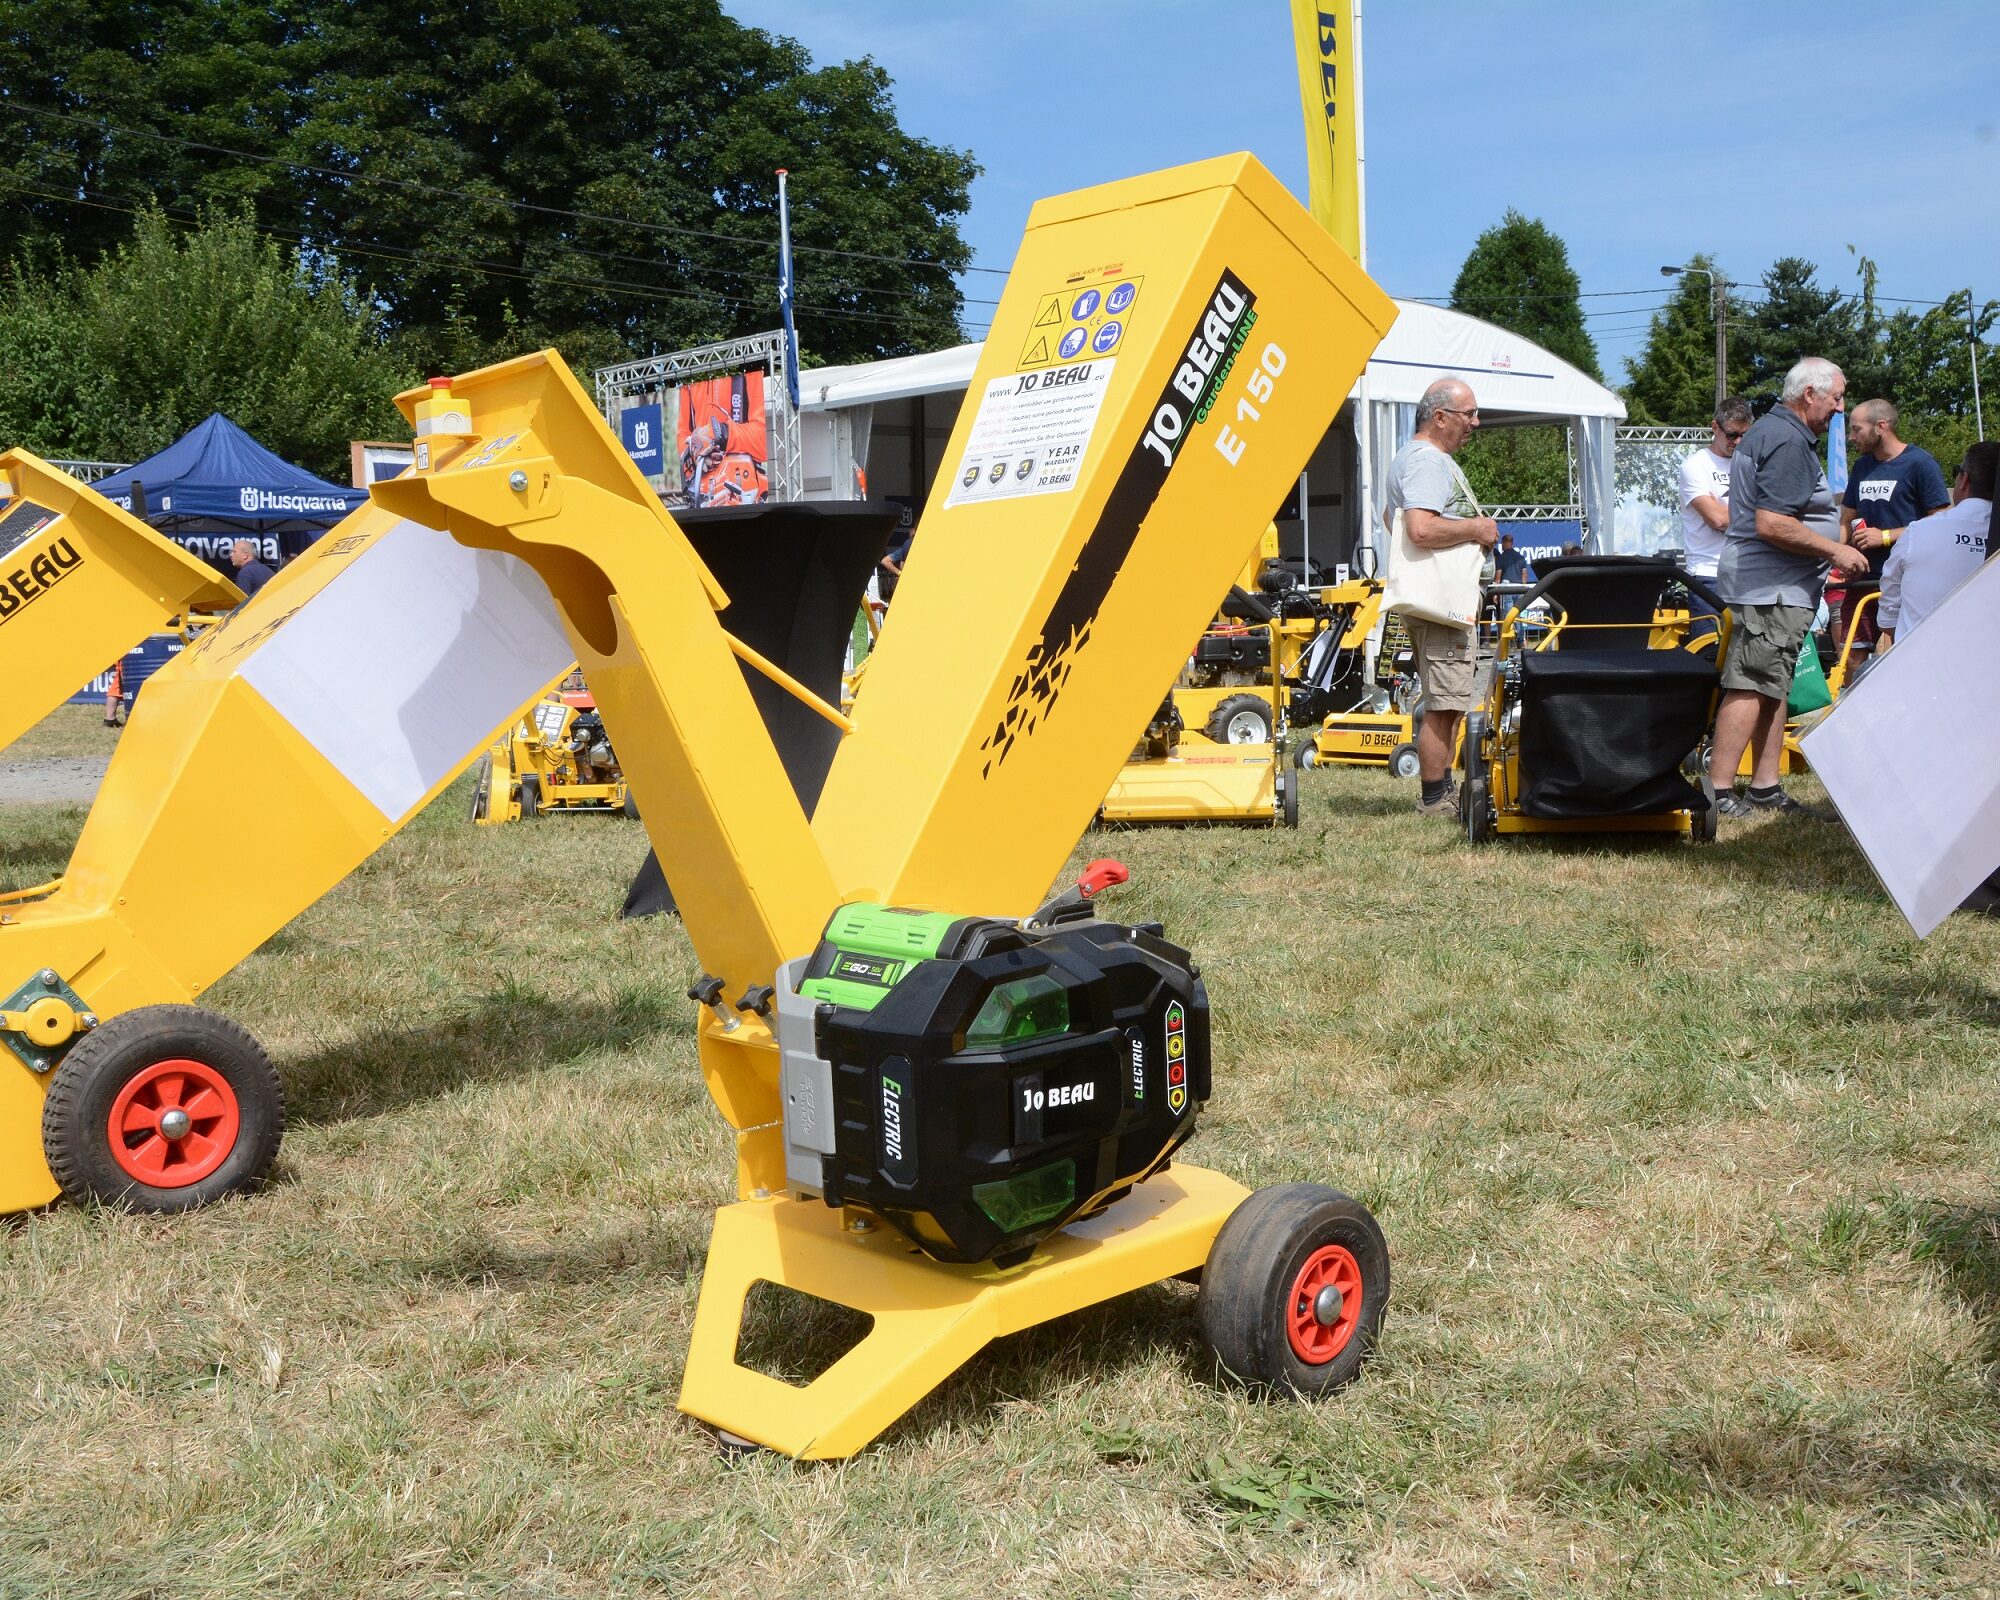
(1294, 1289)
(1305, 755)
(531, 796)
(1288, 799)
(1241, 719)
(163, 1109)
(1403, 761)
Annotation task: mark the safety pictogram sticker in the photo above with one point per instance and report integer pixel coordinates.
(1080, 320)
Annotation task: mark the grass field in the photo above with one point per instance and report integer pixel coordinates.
(1688, 1160)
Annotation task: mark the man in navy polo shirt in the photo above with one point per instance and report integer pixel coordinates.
(1784, 532)
(1893, 485)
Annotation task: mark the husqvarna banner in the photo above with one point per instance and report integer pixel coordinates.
(723, 444)
(1330, 94)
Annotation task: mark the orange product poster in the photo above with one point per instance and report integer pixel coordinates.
(724, 451)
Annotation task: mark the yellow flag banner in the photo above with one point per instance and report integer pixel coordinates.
(1329, 95)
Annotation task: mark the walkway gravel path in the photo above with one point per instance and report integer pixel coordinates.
(53, 779)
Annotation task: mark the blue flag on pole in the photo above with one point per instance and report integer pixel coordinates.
(1836, 454)
(785, 292)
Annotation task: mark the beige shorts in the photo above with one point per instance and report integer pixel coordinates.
(1446, 662)
(1764, 645)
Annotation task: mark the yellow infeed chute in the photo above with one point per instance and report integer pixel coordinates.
(81, 582)
(321, 716)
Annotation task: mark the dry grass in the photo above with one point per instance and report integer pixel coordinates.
(66, 731)
(1687, 1159)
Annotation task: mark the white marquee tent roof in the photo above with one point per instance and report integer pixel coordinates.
(1508, 374)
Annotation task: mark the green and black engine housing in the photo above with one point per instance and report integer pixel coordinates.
(987, 1083)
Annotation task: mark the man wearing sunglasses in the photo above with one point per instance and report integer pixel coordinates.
(1705, 506)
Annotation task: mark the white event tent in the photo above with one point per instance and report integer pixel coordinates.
(892, 419)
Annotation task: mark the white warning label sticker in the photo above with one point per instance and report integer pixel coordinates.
(1031, 433)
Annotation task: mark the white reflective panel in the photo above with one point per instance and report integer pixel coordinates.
(407, 660)
(1911, 756)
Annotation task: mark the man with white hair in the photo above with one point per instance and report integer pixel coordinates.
(1425, 484)
(250, 574)
(1784, 533)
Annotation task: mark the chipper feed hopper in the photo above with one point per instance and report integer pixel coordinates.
(81, 582)
(323, 715)
(956, 1107)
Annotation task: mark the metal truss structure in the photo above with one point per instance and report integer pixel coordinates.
(641, 382)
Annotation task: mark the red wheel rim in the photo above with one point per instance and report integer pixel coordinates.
(1314, 1342)
(174, 1123)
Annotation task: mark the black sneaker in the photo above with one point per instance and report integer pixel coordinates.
(1782, 804)
(1733, 804)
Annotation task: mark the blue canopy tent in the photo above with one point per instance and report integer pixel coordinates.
(216, 484)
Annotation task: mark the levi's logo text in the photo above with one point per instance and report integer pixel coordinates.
(1208, 348)
(25, 577)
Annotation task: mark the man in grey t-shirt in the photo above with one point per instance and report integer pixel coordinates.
(1438, 511)
(1784, 531)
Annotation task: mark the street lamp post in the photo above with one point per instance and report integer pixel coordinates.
(1719, 300)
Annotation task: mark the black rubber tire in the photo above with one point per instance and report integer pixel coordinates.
(1237, 709)
(1472, 746)
(1305, 754)
(1255, 1263)
(1705, 818)
(1403, 761)
(631, 805)
(76, 1137)
(1288, 799)
(1475, 810)
(482, 788)
(531, 796)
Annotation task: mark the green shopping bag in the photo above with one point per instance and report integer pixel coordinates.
(1809, 690)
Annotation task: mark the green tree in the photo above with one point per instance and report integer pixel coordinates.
(1523, 466)
(1672, 384)
(582, 172)
(1518, 275)
(1799, 316)
(119, 360)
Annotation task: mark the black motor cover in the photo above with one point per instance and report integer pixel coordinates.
(923, 1121)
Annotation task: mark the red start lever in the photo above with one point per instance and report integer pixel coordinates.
(1102, 874)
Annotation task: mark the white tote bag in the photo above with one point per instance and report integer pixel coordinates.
(1435, 585)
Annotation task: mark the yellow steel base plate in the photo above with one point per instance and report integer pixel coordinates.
(929, 1318)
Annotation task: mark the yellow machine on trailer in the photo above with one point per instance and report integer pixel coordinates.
(955, 1111)
(554, 757)
(81, 582)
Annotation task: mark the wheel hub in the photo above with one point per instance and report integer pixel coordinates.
(174, 1122)
(1325, 1305)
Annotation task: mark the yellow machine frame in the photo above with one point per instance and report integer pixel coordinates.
(980, 742)
(81, 582)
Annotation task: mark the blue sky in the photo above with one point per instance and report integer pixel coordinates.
(1640, 132)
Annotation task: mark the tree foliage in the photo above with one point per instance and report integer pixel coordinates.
(1518, 275)
(1673, 381)
(499, 173)
(118, 360)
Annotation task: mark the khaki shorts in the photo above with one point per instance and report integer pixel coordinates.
(1764, 645)
(1446, 662)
